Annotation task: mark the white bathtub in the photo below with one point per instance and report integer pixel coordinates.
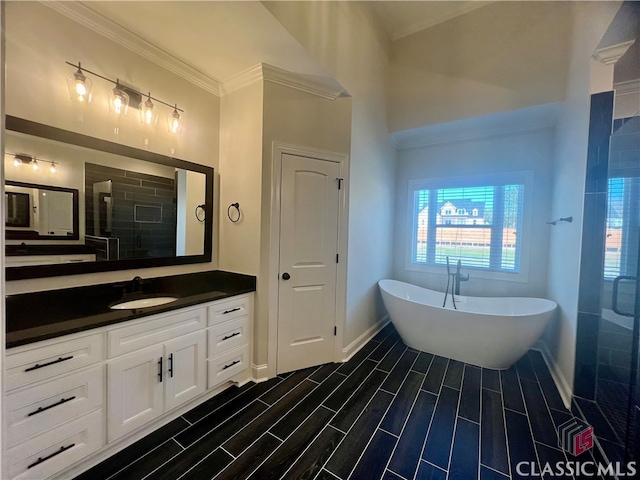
(488, 332)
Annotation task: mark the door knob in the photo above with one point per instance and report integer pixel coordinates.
(286, 276)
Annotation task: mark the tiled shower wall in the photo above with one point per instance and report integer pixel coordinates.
(138, 239)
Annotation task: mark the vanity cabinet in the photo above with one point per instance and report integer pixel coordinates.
(144, 385)
(80, 394)
(228, 339)
(53, 407)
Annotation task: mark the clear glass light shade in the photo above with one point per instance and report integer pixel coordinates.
(80, 87)
(52, 168)
(175, 122)
(148, 113)
(34, 165)
(118, 101)
(17, 162)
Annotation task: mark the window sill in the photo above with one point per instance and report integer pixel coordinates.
(520, 277)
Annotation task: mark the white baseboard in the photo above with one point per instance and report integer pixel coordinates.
(351, 349)
(558, 377)
(259, 373)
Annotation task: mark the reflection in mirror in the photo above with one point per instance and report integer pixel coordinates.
(38, 212)
(137, 208)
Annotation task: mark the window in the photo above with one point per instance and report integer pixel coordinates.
(490, 241)
(623, 227)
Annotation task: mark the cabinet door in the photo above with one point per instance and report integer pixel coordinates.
(135, 384)
(185, 368)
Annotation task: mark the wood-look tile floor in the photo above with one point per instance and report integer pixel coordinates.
(389, 413)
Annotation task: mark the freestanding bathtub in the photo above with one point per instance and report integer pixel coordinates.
(491, 332)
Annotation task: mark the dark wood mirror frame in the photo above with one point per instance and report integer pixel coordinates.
(28, 127)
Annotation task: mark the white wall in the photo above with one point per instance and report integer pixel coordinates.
(524, 151)
(343, 36)
(241, 114)
(591, 20)
(39, 41)
(503, 56)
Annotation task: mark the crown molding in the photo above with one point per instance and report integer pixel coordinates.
(631, 87)
(478, 135)
(610, 55)
(241, 80)
(84, 15)
(324, 87)
(499, 124)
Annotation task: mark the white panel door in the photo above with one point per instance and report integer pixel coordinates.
(185, 372)
(308, 262)
(135, 386)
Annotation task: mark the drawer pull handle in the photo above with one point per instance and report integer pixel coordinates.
(38, 365)
(42, 409)
(160, 369)
(44, 459)
(230, 336)
(230, 365)
(231, 311)
(171, 365)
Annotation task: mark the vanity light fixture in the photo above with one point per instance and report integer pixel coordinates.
(175, 124)
(79, 86)
(20, 159)
(118, 100)
(121, 98)
(148, 115)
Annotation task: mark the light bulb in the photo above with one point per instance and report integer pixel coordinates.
(175, 126)
(79, 86)
(17, 162)
(147, 112)
(119, 100)
(52, 169)
(34, 165)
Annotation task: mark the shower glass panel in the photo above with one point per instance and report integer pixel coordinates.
(619, 326)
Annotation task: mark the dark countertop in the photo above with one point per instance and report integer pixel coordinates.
(36, 316)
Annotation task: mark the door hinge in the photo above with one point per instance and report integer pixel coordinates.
(340, 183)
(335, 331)
(337, 258)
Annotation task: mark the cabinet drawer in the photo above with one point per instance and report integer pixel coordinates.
(227, 365)
(37, 408)
(157, 329)
(56, 449)
(228, 335)
(226, 310)
(42, 362)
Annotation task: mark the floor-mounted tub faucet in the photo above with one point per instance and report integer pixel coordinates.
(458, 277)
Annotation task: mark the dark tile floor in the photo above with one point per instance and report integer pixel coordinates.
(389, 413)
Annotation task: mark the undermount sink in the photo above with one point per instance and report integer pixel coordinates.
(142, 303)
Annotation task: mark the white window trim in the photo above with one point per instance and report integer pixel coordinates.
(524, 177)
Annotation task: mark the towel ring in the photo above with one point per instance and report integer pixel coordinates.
(204, 213)
(237, 207)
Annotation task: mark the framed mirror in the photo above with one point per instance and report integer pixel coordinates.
(40, 212)
(107, 206)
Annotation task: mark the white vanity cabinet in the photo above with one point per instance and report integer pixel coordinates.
(53, 407)
(73, 399)
(229, 335)
(145, 384)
